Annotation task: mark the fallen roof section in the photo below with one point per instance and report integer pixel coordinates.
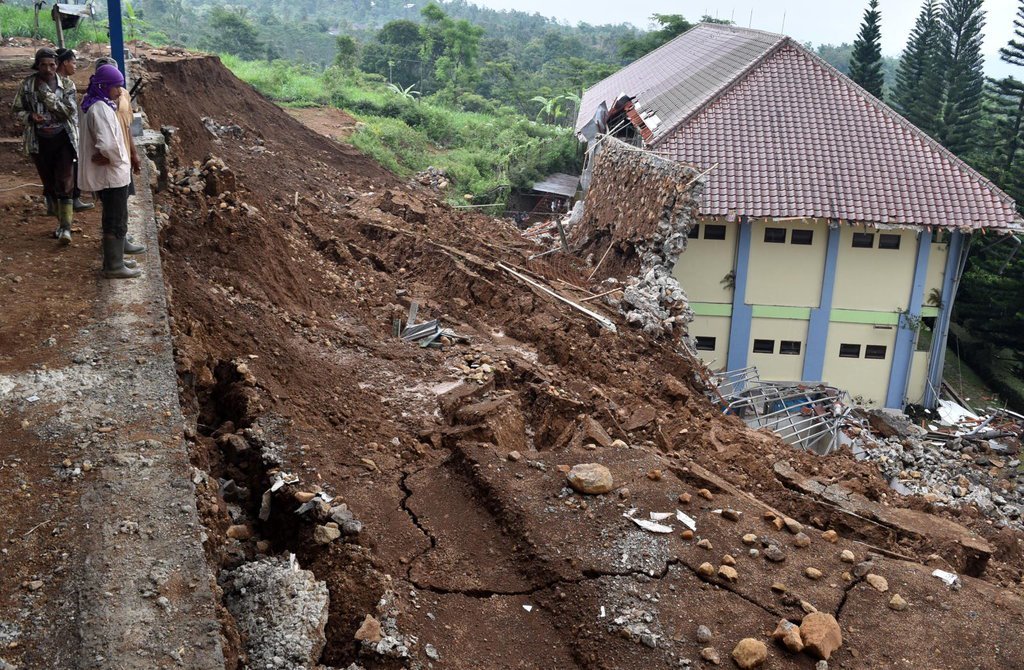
(558, 183)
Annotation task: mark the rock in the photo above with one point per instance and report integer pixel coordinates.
(684, 498)
(830, 536)
(326, 534)
(774, 553)
(793, 526)
(514, 456)
(35, 585)
(239, 532)
(686, 534)
(706, 570)
(431, 652)
(728, 573)
(788, 633)
(590, 478)
(750, 539)
(802, 540)
(813, 573)
(705, 544)
(703, 634)
(862, 568)
(731, 514)
(369, 630)
(897, 603)
(807, 607)
(728, 560)
(878, 582)
(847, 556)
(655, 475)
(706, 494)
(280, 610)
(821, 665)
(821, 635)
(779, 587)
(619, 444)
(710, 654)
(749, 653)
(675, 389)
(304, 496)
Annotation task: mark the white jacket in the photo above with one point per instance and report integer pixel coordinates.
(101, 133)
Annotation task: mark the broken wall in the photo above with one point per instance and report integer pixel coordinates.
(637, 213)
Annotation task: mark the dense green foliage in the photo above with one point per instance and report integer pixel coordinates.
(963, 64)
(866, 61)
(918, 79)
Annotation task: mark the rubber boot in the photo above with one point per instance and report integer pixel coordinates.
(131, 248)
(65, 215)
(113, 259)
(83, 206)
(51, 206)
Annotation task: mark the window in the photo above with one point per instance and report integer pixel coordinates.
(764, 346)
(801, 237)
(875, 351)
(694, 231)
(714, 232)
(789, 347)
(849, 351)
(888, 241)
(863, 240)
(775, 235)
(705, 343)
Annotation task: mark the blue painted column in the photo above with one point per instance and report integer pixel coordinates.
(116, 33)
(817, 327)
(956, 259)
(906, 333)
(742, 313)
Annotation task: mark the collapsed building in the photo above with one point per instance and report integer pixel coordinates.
(831, 234)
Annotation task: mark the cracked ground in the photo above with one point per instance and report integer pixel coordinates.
(453, 458)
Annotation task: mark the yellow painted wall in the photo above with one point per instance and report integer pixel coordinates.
(861, 377)
(918, 377)
(788, 275)
(702, 266)
(936, 268)
(874, 279)
(718, 328)
(776, 367)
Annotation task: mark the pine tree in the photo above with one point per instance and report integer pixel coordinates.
(866, 62)
(918, 90)
(1014, 51)
(1006, 108)
(964, 79)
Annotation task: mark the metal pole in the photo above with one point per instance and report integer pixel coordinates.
(116, 34)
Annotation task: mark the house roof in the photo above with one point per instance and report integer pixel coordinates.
(793, 137)
(558, 183)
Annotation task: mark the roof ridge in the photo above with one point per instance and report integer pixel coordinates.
(726, 87)
(736, 28)
(888, 111)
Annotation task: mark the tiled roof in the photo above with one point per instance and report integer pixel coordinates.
(793, 137)
(675, 79)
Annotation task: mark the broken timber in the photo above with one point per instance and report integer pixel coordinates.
(604, 321)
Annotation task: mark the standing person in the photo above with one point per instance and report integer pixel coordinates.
(106, 166)
(125, 116)
(67, 65)
(46, 105)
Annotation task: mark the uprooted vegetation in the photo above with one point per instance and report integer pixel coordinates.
(288, 260)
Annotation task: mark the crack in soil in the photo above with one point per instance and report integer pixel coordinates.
(404, 504)
(728, 588)
(846, 593)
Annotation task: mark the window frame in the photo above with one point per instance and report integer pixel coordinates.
(868, 351)
(844, 345)
(888, 238)
(754, 349)
(697, 342)
(794, 350)
(862, 236)
(772, 231)
(694, 232)
(716, 227)
(800, 232)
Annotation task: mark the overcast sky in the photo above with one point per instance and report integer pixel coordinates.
(817, 21)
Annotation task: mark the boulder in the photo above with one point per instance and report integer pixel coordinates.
(590, 478)
(821, 635)
(750, 653)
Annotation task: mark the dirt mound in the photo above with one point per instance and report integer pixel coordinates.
(289, 259)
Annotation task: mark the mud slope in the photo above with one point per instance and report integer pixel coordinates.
(289, 256)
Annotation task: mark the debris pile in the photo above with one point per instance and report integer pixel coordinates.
(433, 177)
(641, 206)
(426, 334)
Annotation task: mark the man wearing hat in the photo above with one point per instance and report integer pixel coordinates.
(46, 105)
(67, 65)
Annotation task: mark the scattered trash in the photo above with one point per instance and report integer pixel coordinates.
(427, 334)
(528, 608)
(651, 525)
(950, 578)
(311, 504)
(603, 613)
(660, 516)
(32, 398)
(687, 521)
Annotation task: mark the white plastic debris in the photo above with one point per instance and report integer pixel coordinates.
(687, 521)
(651, 525)
(660, 516)
(953, 414)
(603, 613)
(949, 578)
(33, 398)
(528, 608)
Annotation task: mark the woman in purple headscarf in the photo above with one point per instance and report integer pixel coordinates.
(105, 166)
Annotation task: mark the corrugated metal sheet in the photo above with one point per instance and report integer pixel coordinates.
(558, 183)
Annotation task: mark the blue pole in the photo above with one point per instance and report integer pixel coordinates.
(116, 34)
(817, 328)
(906, 334)
(742, 313)
(956, 257)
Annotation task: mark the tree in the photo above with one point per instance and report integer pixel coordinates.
(1006, 154)
(918, 90)
(866, 64)
(348, 52)
(964, 80)
(231, 31)
(672, 26)
(452, 48)
(395, 53)
(1013, 52)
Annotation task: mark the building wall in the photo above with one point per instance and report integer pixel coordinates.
(936, 265)
(778, 366)
(874, 279)
(918, 378)
(718, 328)
(860, 376)
(701, 268)
(786, 274)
